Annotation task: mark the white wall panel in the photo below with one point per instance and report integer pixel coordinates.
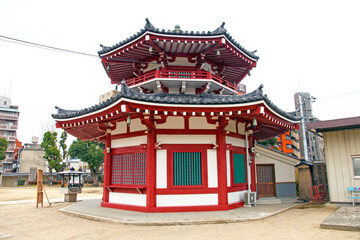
(200, 123)
(172, 123)
(235, 141)
(136, 125)
(126, 142)
(161, 169)
(228, 174)
(128, 199)
(235, 197)
(212, 168)
(186, 139)
(187, 200)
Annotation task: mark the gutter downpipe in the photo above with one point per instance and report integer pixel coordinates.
(247, 160)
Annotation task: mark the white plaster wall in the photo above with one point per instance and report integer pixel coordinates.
(128, 199)
(231, 127)
(187, 200)
(241, 128)
(172, 123)
(200, 123)
(186, 139)
(235, 197)
(161, 169)
(212, 168)
(235, 141)
(126, 142)
(136, 125)
(228, 174)
(283, 172)
(120, 128)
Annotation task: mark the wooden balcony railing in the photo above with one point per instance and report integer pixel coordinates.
(179, 74)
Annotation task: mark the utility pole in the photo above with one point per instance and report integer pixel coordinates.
(302, 100)
(306, 156)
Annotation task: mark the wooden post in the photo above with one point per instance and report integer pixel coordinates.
(107, 161)
(40, 188)
(221, 162)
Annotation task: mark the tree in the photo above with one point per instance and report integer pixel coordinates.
(52, 153)
(3, 146)
(91, 153)
(62, 144)
(272, 143)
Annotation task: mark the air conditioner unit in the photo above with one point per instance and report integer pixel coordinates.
(250, 198)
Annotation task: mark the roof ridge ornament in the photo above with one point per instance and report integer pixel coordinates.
(148, 25)
(220, 30)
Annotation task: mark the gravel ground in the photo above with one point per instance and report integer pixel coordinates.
(25, 221)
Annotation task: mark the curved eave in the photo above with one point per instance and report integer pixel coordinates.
(142, 37)
(229, 109)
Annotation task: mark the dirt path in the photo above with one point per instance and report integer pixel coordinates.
(24, 221)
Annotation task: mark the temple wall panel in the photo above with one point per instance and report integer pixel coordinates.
(120, 128)
(231, 127)
(185, 200)
(127, 142)
(212, 168)
(161, 169)
(241, 128)
(200, 123)
(228, 170)
(186, 139)
(235, 197)
(172, 123)
(136, 125)
(238, 142)
(128, 199)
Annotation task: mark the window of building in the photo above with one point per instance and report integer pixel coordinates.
(356, 165)
(238, 169)
(287, 137)
(187, 168)
(288, 146)
(129, 169)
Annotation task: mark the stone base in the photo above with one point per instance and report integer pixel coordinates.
(70, 197)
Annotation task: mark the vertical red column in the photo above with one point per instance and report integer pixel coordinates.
(107, 170)
(150, 165)
(221, 163)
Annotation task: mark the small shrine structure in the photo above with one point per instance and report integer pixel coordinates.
(179, 134)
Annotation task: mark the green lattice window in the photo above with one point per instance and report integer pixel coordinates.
(239, 165)
(187, 167)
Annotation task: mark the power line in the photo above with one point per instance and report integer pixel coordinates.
(32, 44)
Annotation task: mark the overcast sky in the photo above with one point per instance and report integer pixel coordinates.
(311, 46)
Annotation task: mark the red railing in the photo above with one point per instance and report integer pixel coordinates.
(179, 74)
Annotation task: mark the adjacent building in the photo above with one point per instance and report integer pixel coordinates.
(9, 117)
(342, 151)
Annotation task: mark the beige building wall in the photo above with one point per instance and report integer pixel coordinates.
(340, 147)
(284, 165)
(32, 158)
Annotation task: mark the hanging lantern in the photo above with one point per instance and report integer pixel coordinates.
(128, 120)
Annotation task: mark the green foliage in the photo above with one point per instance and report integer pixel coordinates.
(269, 142)
(3, 146)
(62, 144)
(52, 153)
(89, 152)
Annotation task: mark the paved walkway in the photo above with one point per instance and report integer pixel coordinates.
(91, 209)
(52, 200)
(345, 218)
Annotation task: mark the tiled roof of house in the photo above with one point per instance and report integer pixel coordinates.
(150, 28)
(178, 99)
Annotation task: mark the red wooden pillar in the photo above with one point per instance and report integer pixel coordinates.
(221, 163)
(107, 170)
(150, 165)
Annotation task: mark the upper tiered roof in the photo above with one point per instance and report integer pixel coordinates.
(213, 51)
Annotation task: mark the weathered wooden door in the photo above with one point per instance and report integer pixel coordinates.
(266, 180)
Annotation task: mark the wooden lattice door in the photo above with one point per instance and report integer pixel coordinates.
(266, 180)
